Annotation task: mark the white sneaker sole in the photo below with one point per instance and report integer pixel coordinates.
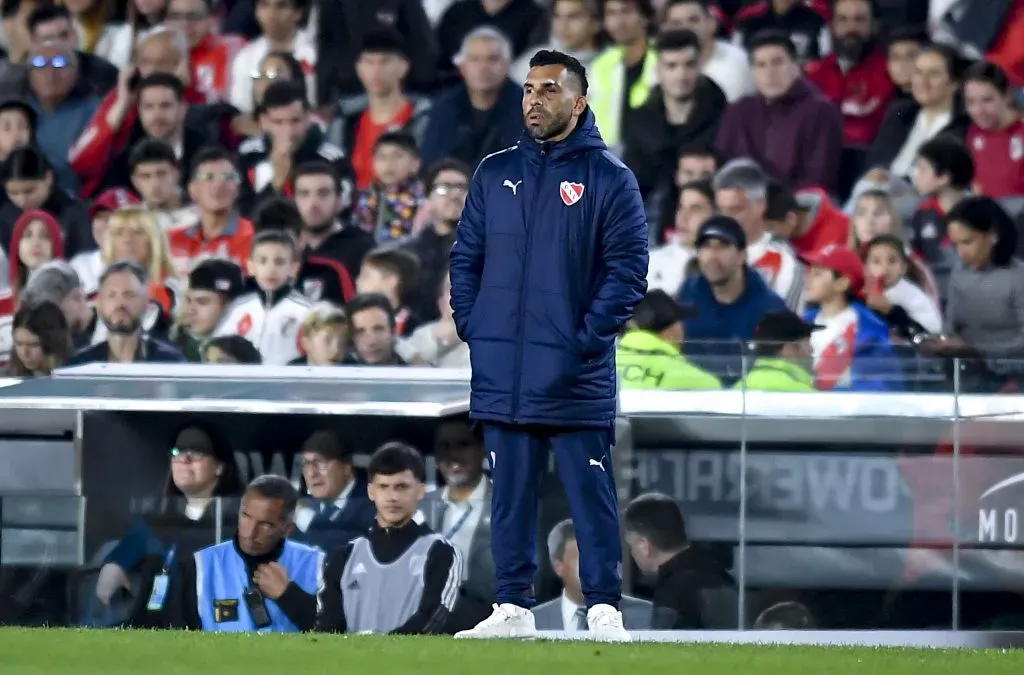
(466, 635)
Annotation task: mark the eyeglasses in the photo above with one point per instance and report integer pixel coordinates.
(450, 188)
(210, 176)
(187, 455)
(320, 465)
(186, 16)
(270, 75)
(57, 61)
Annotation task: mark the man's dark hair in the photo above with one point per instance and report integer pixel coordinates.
(166, 80)
(706, 5)
(397, 261)
(121, 267)
(644, 7)
(955, 64)
(280, 488)
(770, 37)
(698, 149)
(151, 151)
(208, 155)
(318, 168)
(908, 34)
(283, 94)
(788, 615)
(701, 186)
(25, 163)
(277, 214)
(551, 57)
(277, 236)
(658, 519)
(595, 8)
(384, 42)
(949, 157)
(365, 301)
(9, 9)
(395, 457)
(237, 347)
(400, 139)
(442, 165)
(677, 41)
(45, 13)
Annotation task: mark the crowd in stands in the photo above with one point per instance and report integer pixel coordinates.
(280, 181)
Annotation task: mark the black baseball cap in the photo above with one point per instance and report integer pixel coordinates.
(783, 326)
(23, 106)
(724, 229)
(658, 310)
(217, 275)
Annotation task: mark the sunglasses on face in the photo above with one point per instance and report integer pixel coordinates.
(57, 61)
(270, 75)
(187, 455)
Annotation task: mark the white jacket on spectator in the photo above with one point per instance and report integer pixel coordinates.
(248, 61)
(115, 43)
(918, 305)
(777, 263)
(270, 321)
(666, 269)
(423, 343)
(89, 266)
(729, 67)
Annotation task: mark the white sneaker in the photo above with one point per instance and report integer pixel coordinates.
(507, 621)
(605, 624)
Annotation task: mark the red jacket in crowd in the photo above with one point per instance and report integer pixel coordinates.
(211, 63)
(998, 159)
(862, 94)
(829, 224)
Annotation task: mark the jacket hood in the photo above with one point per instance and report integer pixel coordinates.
(20, 225)
(584, 137)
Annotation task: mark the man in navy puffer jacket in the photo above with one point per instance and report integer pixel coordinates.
(550, 259)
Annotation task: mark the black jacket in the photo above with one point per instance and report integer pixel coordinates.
(329, 271)
(70, 213)
(457, 130)
(388, 544)
(254, 160)
(690, 589)
(342, 24)
(432, 250)
(652, 144)
(182, 610)
(150, 350)
(804, 26)
(899, 121)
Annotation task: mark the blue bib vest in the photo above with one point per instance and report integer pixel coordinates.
(222, 579)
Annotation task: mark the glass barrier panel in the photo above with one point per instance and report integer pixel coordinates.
(838, 481)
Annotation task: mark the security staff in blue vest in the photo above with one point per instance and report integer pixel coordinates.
(260, 581)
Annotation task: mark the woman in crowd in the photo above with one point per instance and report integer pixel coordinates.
(985, 311)
(37, 239)
(996, 135)
(201, 469)
(42, 341)
(275, 67)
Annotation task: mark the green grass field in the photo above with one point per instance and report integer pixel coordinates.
(76, 652)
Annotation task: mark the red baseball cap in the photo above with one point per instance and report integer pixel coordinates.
(840, 260)
(112, 200)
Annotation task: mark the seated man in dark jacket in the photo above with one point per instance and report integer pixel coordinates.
(692, 588)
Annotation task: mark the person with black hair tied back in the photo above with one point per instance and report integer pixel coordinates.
(985, 310)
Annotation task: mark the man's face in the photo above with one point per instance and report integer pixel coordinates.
(191, 17)
(373, 279)
(690, 16)
(325, 478)
(53, 72)
(58, 32)
(262, 524)
(568, 567)
(122, 303)
(372, 336)
(748, 213)
(851, 28)
(484, 67)
(272, 265)
(774, 71)
(158, 54)
(643, 554)
(719, 261)
(691, 212)
(678, 72)
(460, 454)
(287, 124)
(381, 72)
(695, 167)
(623, 21)
(161, 113)
(318, 200)
(29, 193)
(394, 165)
(15, 131)
(203, 309)
(157, 182)
(551, 101)
(396, 497)
(278, 19)
(573, 26)
(214, 188)
(448, 197)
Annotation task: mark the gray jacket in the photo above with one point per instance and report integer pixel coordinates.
(479, 581)
(347, 112)
(636, 614)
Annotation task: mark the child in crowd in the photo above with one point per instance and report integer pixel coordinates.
(324, 336)
(270, 313)
(213, 285)
(668, 263)
(17, 126)
(895, 290)
(37, 239)
(89, 264)
(852, 350)
(231, 350)
(387, 209)
(389, 271)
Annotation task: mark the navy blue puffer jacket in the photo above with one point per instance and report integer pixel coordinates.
(549, 261)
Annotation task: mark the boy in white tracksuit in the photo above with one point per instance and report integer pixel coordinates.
(270, 313)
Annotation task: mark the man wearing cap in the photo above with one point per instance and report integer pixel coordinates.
(852, 351)
(340, 509)
(89, 265)
(783, 355)
(728, 298)
(648, 354)
(212, 285)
